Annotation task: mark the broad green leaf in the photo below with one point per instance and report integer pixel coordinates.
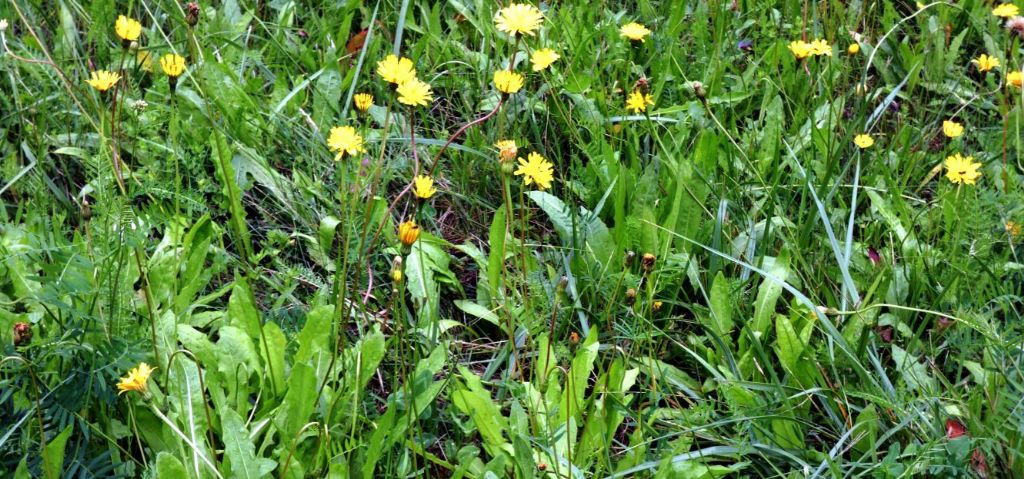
(789, 346)
(53, 454)
(478, 311)
(721, 307)
(169, 467)
(914, 373)
(239, 450)
(299, 402)
(768, 294)
(242, 312)
(587, 228)
(271, 349)
(475, 401)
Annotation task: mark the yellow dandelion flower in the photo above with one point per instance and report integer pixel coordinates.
(1015, 78)
(507, 149)
(396, 70)
(423, 187)
(536, 170)
(1006, 10)
(518, 19)
(543, 58)
(408, 233)
(415, 93)
(985, 63)
(634, 31)
(863, 141)
(103, 80)
(800, 49)
(172, 64)
(127, 28)
(363, 101)
(961, 169)
(1012, 228)
(853, 49)
(637, 101)
(508, 81)
(952, 129)
(345, 139)
(820, 47)
(136, 380)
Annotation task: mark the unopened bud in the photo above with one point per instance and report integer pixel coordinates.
(86, 210)
(627, 261)
(574, 338)
(396, 269)
(22, 334)
(192, 14)
(647, 263)
(562, 283)
(630, 296)
(698, 89)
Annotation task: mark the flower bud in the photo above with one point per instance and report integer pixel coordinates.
(408, 233)
(698, 89)
(22, 334)
(562, 283)
(630, 296)
(192, 14)
(656, 306)
(574, 338)
(627, 261)
(396, 269)
(647, 263)
(86, 210)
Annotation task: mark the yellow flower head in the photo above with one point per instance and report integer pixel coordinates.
(952, 129)
(800, 49)
(172, 64)
(423, 187)
(345, 139)
(508, 81)
(507, 149)
(518, 19)
(543, 58)
(363, 101)
(408, 233)
(634, 31)
(396, 70)
(415, 93)
(863, 141)
(960, 169)
(1015, 78)
(1006, 10)
(128, 29)
(102, 80)
(985, 63)
(820, 47)
(135, 380)
(1012, 228)
(536, 170)
(853, 49)
(638, 101)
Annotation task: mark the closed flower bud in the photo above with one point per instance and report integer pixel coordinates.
(408, 233)
(630, 296)
(86, 210)
(698, 89)
(574, 338)
(192, 14)
(22, 334)
(396, 269)
(627, 261)
(656, 306)
(562, 283)
(647, 263)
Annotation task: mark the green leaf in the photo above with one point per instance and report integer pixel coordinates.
(496, 257)
(721, 307)
(789, 345)
(768, 294)
(298, 403)
(169, 467)
(238, 447)
(242, 311)
(915, 374)
(475, 401)
(478, 311)
(272, 350)
(53, 454)
(587, 228)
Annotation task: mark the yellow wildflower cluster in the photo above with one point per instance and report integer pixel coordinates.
(802, 49)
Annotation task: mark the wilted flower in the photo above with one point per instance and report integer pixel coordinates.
(345, 139)
(518, 19)
(536, 170)
(136, 380)
(423, 187)
(1016, 25)
(638, 102)
(408, 232)
(396, 70)
(634, 31)
(543, 58)
(952, 129)
(960, 169)
(415, 93)
(102, 80)
(985, 63)
(1006, 10)
(128, 29)
(647, 262)
(863, 141)
(363, 101)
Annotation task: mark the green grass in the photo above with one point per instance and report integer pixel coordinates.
(723, 285)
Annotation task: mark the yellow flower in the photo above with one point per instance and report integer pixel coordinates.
(345, 139)
(127, 28)
(1006, 10)
(136, 380)
(518, 19)
(396, 70)
(1015, 78)
(863, 141)
(507, 149)
(536, 170)
(172, 64)
(634, 31)
(1013, 228)
(960, 169)
(638, 102)
(543, 58)
(800, 49)
(363, 101)
(408, 233)
(102, 80)
(985, 62)
(423, 187)
(415, 93)
(853, 49)
(820, 47)
(508, 81)
(952, 129)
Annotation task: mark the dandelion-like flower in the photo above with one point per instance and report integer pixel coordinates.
(172, 64)
(863, 141)
(536, 170)
(423, 187)
(415, 93)
(1012, 228)
(820, 47)
(985, 63)
(1006, 10)
(128, 29)
(508, 81)
(507, 149)
(396, 70)
(408, 233)
(637, 101)
(962, 169)
(518, 19)
(345, 139)
(543, 58)
(363, 101)
(853, 49)
(1015, 78)
(952, 129)
(800, 49)
(634, 31)
(103, 80)
(136, 380)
